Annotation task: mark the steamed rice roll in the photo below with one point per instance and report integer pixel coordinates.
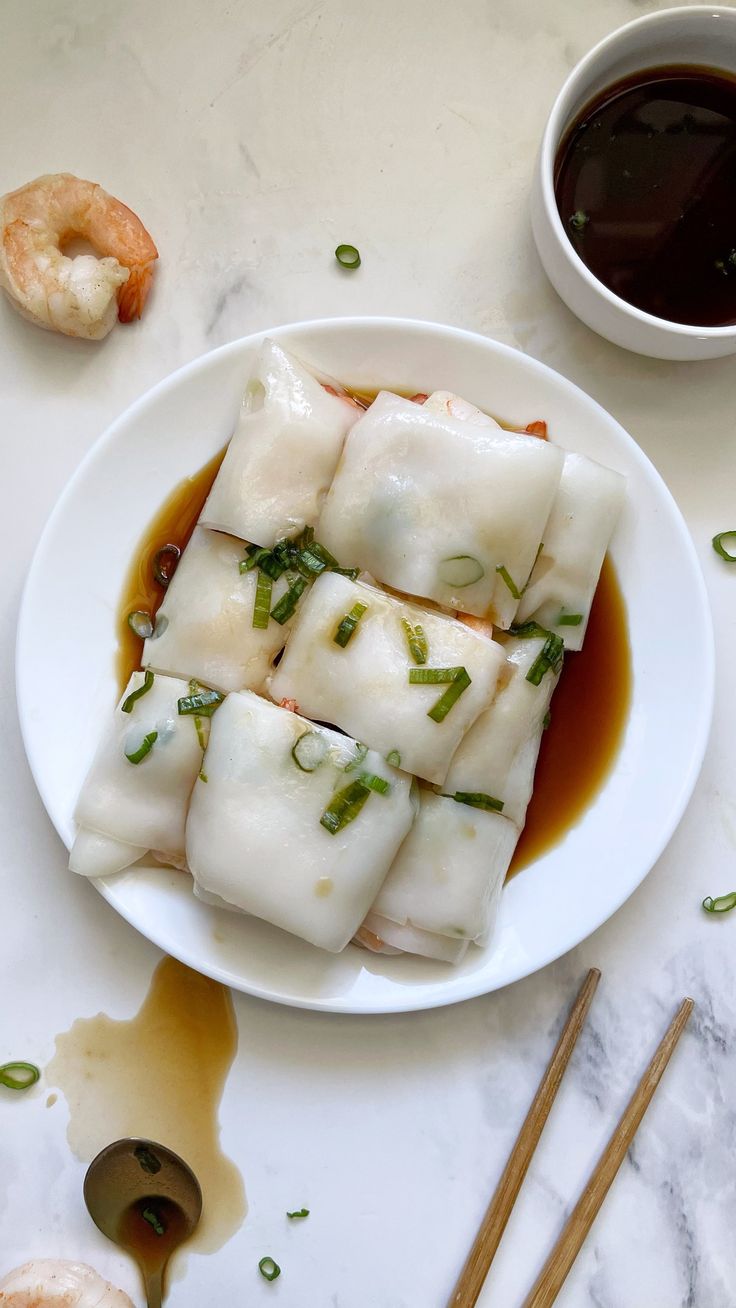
(441, 507)
(563, 581)
(381, 936)
(136, 794)
(359, 672)
(498, 756)
(295, 823)
(448, 874)
(206, 619)
(283, 454)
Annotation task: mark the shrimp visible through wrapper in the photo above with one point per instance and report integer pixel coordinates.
(81, 295)
(54, 1283)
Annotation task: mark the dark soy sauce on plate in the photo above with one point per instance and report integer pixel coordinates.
(645, 182)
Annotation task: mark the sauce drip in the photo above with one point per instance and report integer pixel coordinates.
(172, 525)
(645, 181)
(587, 720)
(161, 1076)
(151, 1244)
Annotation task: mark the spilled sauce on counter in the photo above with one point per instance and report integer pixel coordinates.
(159, 1075)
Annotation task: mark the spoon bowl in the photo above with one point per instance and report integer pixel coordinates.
(147, 1200)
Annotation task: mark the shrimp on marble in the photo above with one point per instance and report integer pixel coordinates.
(55, 1283)
(81, 295)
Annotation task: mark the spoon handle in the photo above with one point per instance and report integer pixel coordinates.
(153, 1280)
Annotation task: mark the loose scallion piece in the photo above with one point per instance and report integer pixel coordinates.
(548, 659)
(379, 784)
(456, 680)
(286, 606)
(345, 806)
(127, 704)
(461, 570)
(348, 256)
(204, 703)
(393, 758)
(147, 1160)
(476, 799)
(350, 573)
(262, 602)
(201, 737)
(579, 220)
(569, 620)
(721, 904)
(720, 548)
(356, 761)
(310, 750)
(509, 581)
(151, 1216)
(316, 559)
(141, 623)
(528, 630)
(300, 1212)
(143, 749)
(416, 640)
(347, 625)
(269, 1269)
(257, 557)
(546, 720)
(165, 561)
(19, 1076)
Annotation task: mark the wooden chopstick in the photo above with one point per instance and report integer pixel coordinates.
(470, 1281)
(552, 1277)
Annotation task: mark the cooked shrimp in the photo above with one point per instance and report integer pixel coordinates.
(81, 295)
(53, 1283)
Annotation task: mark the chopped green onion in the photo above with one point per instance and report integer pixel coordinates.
(528, 630)
(548, 659)
(393, 758)
(361, 751)
(269, 1269)
(348, 256)
(546, 720)
(147, 1160)
(476, 799)
(19, 1076)
(461, 570)
(351, 573)
(379, 784)
(316, 558)
(141, 623)
(300, 1212)
(262, 602)
(310, 750)
(456, 679)
(286, 606)
(416, 640)
(569, 620)
(204, 703)
(505, 577)
(579, 220)
(720, 548)
(151, 1216)
(199, 728)
(203, 776)
(143, 749)
(345, 806)
(164, 563)
(127, 704)
(347, 625)
(722, 904)
(257, 557)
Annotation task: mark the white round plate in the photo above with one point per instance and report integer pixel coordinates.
(66, 681)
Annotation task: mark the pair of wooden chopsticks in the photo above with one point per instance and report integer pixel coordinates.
(552, 1276)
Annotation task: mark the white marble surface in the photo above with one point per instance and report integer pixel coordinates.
(251, 140)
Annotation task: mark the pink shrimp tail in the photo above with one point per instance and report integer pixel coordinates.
(133, 294)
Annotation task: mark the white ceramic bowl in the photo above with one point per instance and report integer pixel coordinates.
(691, 35)
(66, 677)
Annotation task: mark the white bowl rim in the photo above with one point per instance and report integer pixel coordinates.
(552, 136)
(699, 744)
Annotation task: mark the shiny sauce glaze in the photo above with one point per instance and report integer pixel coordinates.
(645, 182)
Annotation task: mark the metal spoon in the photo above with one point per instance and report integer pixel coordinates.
(146, 1199)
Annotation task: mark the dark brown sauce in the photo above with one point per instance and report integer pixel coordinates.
(645, 181)
(172, 525)
(588, 716)
(589, 708)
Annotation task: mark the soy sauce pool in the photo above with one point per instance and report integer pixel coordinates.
(645, 182)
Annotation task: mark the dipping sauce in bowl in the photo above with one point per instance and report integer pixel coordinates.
(645, 184)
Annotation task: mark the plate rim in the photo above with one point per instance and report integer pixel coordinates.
(474, 985)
